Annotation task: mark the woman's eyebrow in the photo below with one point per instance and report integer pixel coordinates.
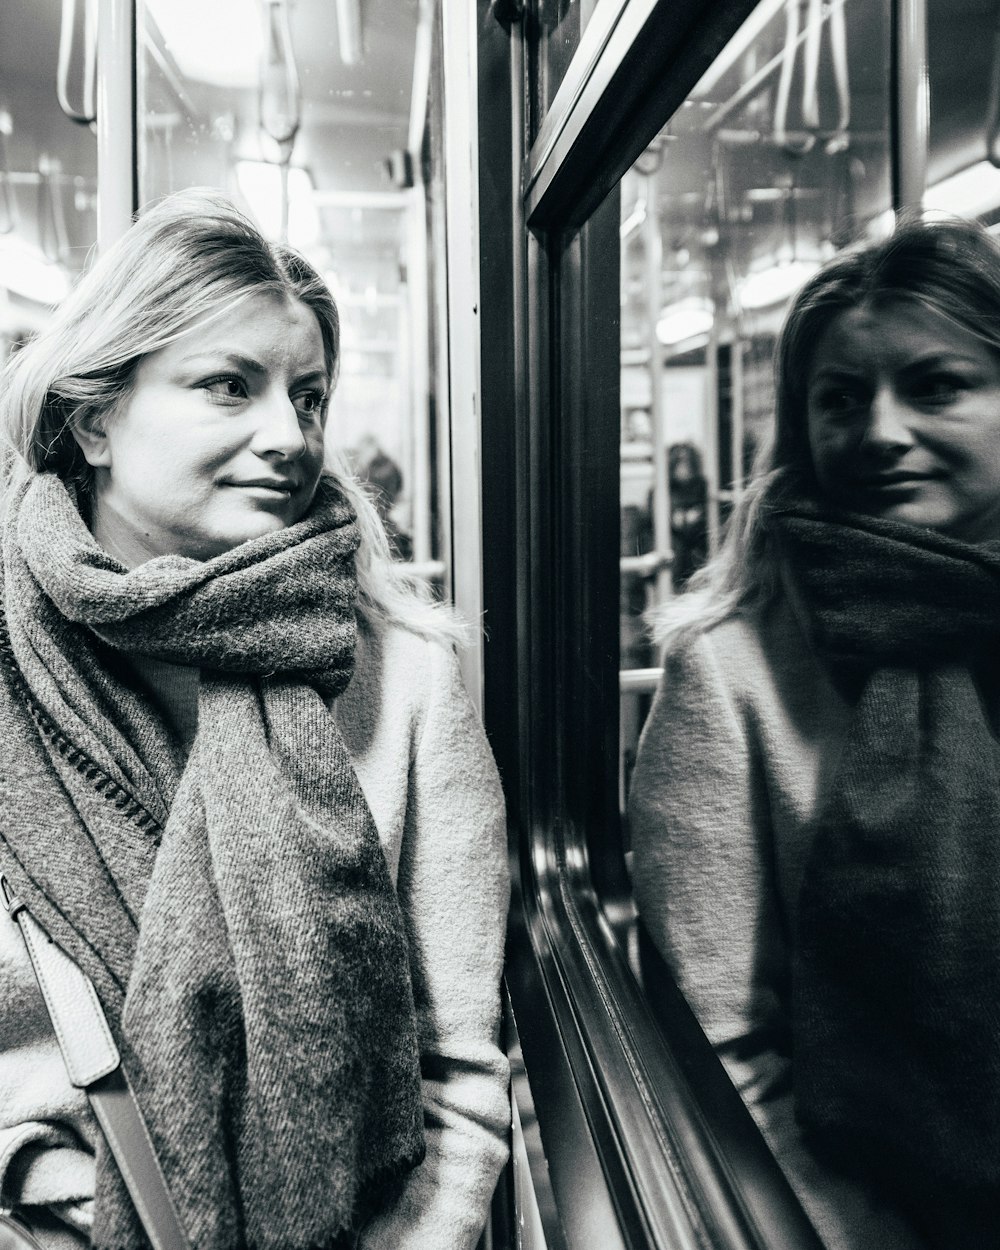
(935, 359)
(247, 364)
(236, 359)
(834, 373)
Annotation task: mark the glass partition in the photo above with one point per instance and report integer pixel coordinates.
(313, 116)
(48, 161)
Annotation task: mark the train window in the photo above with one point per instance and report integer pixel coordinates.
(697, 175)
(314, 117)
(48, 161)
(777, 158)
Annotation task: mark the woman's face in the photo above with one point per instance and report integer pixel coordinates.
(903, 412)
(220, 440)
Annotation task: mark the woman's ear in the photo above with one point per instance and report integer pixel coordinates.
(92, 440)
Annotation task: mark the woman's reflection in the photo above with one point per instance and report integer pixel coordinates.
(816, 804)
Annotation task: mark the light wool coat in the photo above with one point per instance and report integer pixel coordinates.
(744, 734)
(426, 770)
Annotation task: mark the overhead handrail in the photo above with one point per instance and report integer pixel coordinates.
(788, 57)
(279, 98)
(819, 13)
(86, 114)
(53, 238)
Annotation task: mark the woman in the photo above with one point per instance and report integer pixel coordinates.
(815, 804)
(243, 787)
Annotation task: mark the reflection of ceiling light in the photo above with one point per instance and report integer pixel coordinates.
(776, 284)
(260, 184)
(685, 320)
(968, 193)
(634, 220)
(221, 42)
(26, 272)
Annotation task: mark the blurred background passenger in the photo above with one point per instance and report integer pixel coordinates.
(243, 786)
(816, 801)
(688, 512)
(384, 478)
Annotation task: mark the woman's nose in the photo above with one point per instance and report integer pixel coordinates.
(278, 432)
(889, 425)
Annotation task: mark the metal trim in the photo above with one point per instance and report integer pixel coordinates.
(116, 120)
(636, 62)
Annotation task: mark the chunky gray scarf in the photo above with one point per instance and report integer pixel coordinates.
(896, 988)
(234, 909)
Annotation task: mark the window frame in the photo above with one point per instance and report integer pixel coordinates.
(641, 1129)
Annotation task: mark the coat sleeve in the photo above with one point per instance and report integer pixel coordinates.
(453, 887)
(703, 866)
(705, 885)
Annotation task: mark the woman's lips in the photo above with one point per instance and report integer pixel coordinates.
(898, 479)
(272, 486)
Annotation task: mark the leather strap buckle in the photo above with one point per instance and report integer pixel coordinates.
(11, 903)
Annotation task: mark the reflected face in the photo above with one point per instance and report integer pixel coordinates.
(903, 412)
(220, 440)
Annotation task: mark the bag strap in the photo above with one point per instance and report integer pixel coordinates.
(94, 1064)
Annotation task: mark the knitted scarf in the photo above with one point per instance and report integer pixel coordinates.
(896, 974)
(234, 909)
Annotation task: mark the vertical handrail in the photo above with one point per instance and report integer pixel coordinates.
(910, 104)
(8, 206)
(736, 410)
(418, 289)
(993, 114)
(418, 296)
(461, 161)
(712, 440)
(653, 246)
(117, 191)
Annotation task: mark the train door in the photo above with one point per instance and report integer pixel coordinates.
(656, 180)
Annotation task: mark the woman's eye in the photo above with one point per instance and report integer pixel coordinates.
(228, 387)
(310, 402)
(938, 388)
(839, 401)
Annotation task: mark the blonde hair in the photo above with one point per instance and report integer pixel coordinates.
(950, 267)
(188, 259)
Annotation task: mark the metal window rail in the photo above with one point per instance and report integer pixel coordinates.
(639, 680)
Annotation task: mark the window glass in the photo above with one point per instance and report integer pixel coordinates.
(554, 28)
(313, 116)
(962, 63)
(779, 157)
(48, 166)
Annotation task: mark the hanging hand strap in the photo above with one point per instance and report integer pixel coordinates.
(94, 1064)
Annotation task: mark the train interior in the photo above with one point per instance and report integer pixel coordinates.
(562, 235)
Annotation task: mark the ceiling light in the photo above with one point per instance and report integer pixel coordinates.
(220, 43)
(775, 284)
(969, 193)
(685, 320)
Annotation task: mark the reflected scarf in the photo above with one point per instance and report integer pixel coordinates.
(234, 909)
(896, 989)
